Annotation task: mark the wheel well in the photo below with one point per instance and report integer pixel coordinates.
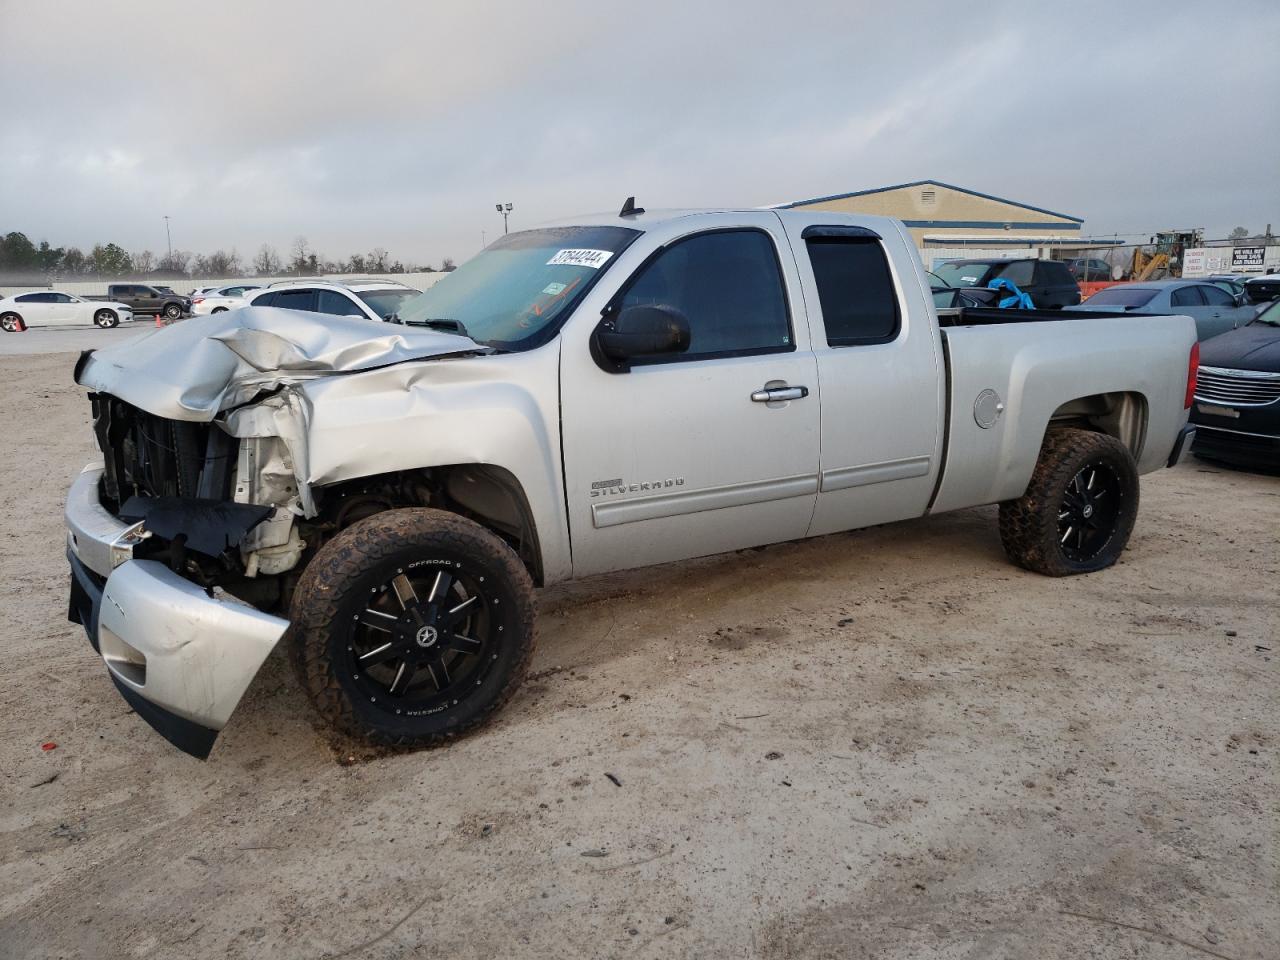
(487, 494)
(1119, 415)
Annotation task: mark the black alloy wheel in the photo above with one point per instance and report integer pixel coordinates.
(1087, 514)
(173, 311)
(425, 638)
(412, 626)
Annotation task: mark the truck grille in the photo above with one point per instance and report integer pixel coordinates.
(151, 456)
(1240, 387)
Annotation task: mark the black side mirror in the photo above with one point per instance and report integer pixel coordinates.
(645, 331)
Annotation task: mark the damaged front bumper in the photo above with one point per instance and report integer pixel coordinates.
(181, 655)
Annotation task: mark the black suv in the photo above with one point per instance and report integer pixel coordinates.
(1048, 282)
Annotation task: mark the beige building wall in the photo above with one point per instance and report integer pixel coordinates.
(937, 210)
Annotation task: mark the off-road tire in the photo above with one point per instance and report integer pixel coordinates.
(106, 319)
(1030, 526)
(12, 323)
(173, 311)
(339, 582)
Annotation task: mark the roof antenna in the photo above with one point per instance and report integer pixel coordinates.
(629, 209)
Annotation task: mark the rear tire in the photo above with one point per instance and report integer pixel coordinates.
(106, 319)
(1079, 509)
(12, 323)
(219, 310)
(173, 311)
(412, 627)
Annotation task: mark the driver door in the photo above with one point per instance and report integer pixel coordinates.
(686, 454)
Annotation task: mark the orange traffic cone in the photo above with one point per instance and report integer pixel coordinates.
(159, 320)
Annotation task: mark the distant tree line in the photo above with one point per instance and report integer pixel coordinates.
(39, 263)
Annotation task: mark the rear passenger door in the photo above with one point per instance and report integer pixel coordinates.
(1222, 306)
(295, 300)
(1190, 301)
(879, 368)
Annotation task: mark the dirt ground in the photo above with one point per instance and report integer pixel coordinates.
(887, 744)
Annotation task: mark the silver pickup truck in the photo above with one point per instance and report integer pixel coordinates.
(600, 395)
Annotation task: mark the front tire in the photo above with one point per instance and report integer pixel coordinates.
(12, 323)
(173, 311)
(412, 627)
(106, 319)
(1079, 509)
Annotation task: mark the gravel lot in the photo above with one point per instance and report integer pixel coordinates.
(885, 744)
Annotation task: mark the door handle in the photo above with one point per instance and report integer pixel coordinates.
(778, 394)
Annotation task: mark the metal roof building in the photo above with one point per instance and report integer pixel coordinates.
(944, 215)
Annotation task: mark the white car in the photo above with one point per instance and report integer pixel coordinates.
(373, 298)
(217, 299)
(52, 308)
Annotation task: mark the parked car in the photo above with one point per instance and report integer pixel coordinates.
(1212, 308)
(1263, 289)
(1237, 408)
(577, 399)
(148, 300)
(217, 299)
(1048, 282)
(53, 308)
(1089, 269)
(1232, 283)
(954, 298)
(373, 299)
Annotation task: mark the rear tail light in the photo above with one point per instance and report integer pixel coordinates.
(198, 300)
(1193, 367)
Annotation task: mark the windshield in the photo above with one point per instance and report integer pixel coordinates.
(516, 292)
(1269, 315)
(386, 302)
(961, 274)
(1121, 297)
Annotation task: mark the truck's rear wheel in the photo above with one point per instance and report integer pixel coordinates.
(1079, 509)
(173, 311)
(12, 323)
(412, 627)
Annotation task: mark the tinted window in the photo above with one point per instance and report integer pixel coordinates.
(727, 284)
(1123, 297)
(1186, 297)
(338, 304)
(295, 300)
(60, 298)
(1216, 297)
(264, 299)
(1054, 271)
(1019, 273)
(855, 288)
(30, 298)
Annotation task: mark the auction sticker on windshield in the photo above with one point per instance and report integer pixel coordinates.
(581, 258)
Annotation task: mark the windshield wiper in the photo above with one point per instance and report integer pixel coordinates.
(439, 323)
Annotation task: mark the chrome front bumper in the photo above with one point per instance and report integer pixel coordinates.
(181, 656)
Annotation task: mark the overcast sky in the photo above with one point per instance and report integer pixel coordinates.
(401, 124)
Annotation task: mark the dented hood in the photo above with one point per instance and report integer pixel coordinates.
(194, 369)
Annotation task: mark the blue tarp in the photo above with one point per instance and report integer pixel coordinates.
(1017, 300)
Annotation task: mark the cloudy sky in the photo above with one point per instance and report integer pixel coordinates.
(400, 124)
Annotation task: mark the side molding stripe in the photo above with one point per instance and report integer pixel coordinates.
(696, 501)
(869, 473)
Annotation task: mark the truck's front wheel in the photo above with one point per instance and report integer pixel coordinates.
(412, 627)
(1078, 510)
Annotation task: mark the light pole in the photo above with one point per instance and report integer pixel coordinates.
(505, 210)
(167, 237)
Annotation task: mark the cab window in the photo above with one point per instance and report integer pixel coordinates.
(728, 284)
(855, 290)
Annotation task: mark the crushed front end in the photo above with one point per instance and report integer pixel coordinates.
(166, 547)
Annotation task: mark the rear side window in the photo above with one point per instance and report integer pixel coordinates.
(1054, 272)
(855, 289)
(295, 300)
(728, 284)
(1122, 296)
(1019, 273)
(1186, 297)
(30, 298)
(264, 300)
